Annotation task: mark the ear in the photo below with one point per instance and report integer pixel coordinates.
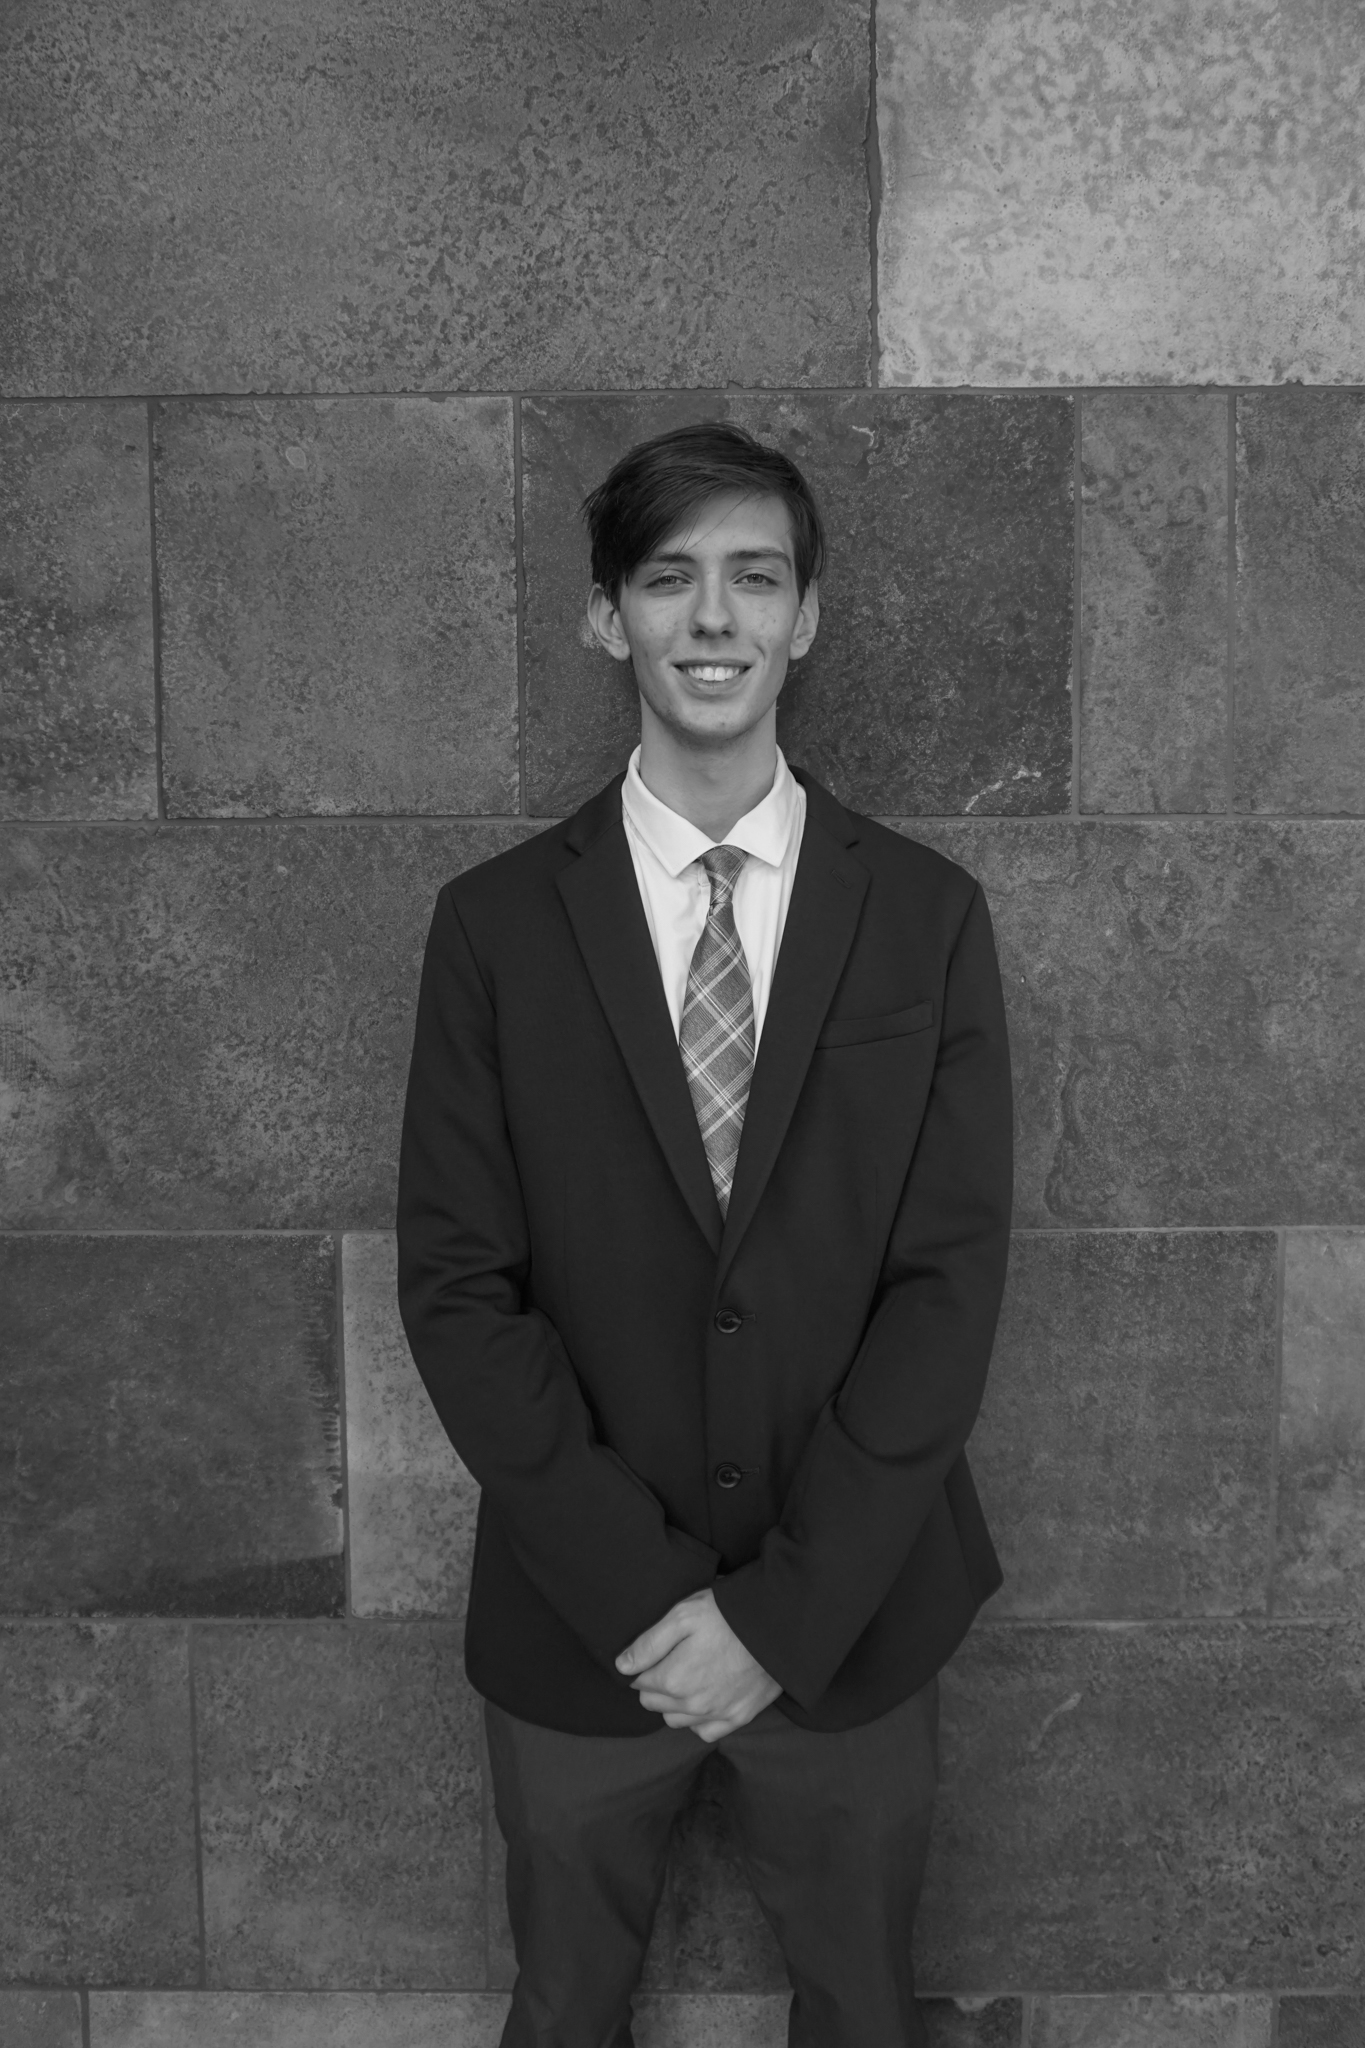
(605, 621)
(807, 619)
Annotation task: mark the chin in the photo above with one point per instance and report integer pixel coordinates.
(712, 736)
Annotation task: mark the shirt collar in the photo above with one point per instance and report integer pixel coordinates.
(675, 842)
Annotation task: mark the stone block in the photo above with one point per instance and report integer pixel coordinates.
(1179, 2021)
(1187, 1016)
(1321, 2022)
(172, 1423)
(338, 606)
(295, 2019)
(340, 1807)
(940, 680)
(1320, 1551)
(1117, 195)
(710, 1935)
(711, 2022)
(1300, 678)
(210, 1025)
(1124, 1447)
(77, 683)
(488, 196)
(96, 1806)
(1154, 604)
(1149, 1808)
(973, 2022)
(40, 2019)
(412, 1503)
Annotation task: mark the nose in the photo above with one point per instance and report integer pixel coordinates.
(712, 617)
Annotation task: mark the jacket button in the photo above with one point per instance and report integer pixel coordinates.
(728, 1320)
(728, 1475)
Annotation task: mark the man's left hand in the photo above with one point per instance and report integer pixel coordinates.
(693, 1669)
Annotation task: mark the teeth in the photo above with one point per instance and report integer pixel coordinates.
(713, 672)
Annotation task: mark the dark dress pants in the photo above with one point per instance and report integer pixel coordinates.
(835, 1830)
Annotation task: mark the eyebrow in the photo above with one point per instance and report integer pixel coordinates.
(735, 555)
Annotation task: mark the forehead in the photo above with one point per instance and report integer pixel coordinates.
(731, 523)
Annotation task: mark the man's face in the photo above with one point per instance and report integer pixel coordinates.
(711, 619)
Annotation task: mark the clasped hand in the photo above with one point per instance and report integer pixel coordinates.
(693, 1669)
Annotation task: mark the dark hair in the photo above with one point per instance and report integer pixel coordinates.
(659, 485)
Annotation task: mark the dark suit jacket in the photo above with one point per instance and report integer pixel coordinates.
(605, 1354)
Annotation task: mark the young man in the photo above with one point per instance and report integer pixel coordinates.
(703, 1216)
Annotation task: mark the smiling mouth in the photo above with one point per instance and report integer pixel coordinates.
(712, 671)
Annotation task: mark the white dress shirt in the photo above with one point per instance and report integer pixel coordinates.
(676, 894)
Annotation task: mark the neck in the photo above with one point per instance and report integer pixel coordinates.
(711, 786)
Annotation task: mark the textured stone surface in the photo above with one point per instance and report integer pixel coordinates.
(710, 1935)
(285, 2019)
(1170, 2022)
(338, 605)
(169, 1426)
(723, 2022)
(940, 678)
(1300, 680)
(465, 195)
(1151, 1808)
(295, 2019)
(1321, 1539)
(1153, 2022)
(77, 690)
(97, 1875)
(340, 1807)
(292, 2019)
(1187, 1016)
(1154, 601)
(973, 2022)
(1108, 194)
(40, 2019)
(210, 1025)
(1124, 1448)
(411, 1501)
(1321, 2022)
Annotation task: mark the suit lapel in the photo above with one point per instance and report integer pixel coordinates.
(602, 898)
(827, 898)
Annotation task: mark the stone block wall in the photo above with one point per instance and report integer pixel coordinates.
(315, 323)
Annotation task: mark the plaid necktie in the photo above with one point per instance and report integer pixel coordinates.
(716, 1038)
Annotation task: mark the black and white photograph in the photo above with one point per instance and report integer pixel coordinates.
(682, 1024)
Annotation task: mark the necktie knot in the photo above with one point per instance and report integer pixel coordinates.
(723, 865)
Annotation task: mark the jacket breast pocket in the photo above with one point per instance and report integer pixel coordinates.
(860, 1030)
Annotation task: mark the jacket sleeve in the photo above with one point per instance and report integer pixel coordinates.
(880, 1452)
(586, 1530)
